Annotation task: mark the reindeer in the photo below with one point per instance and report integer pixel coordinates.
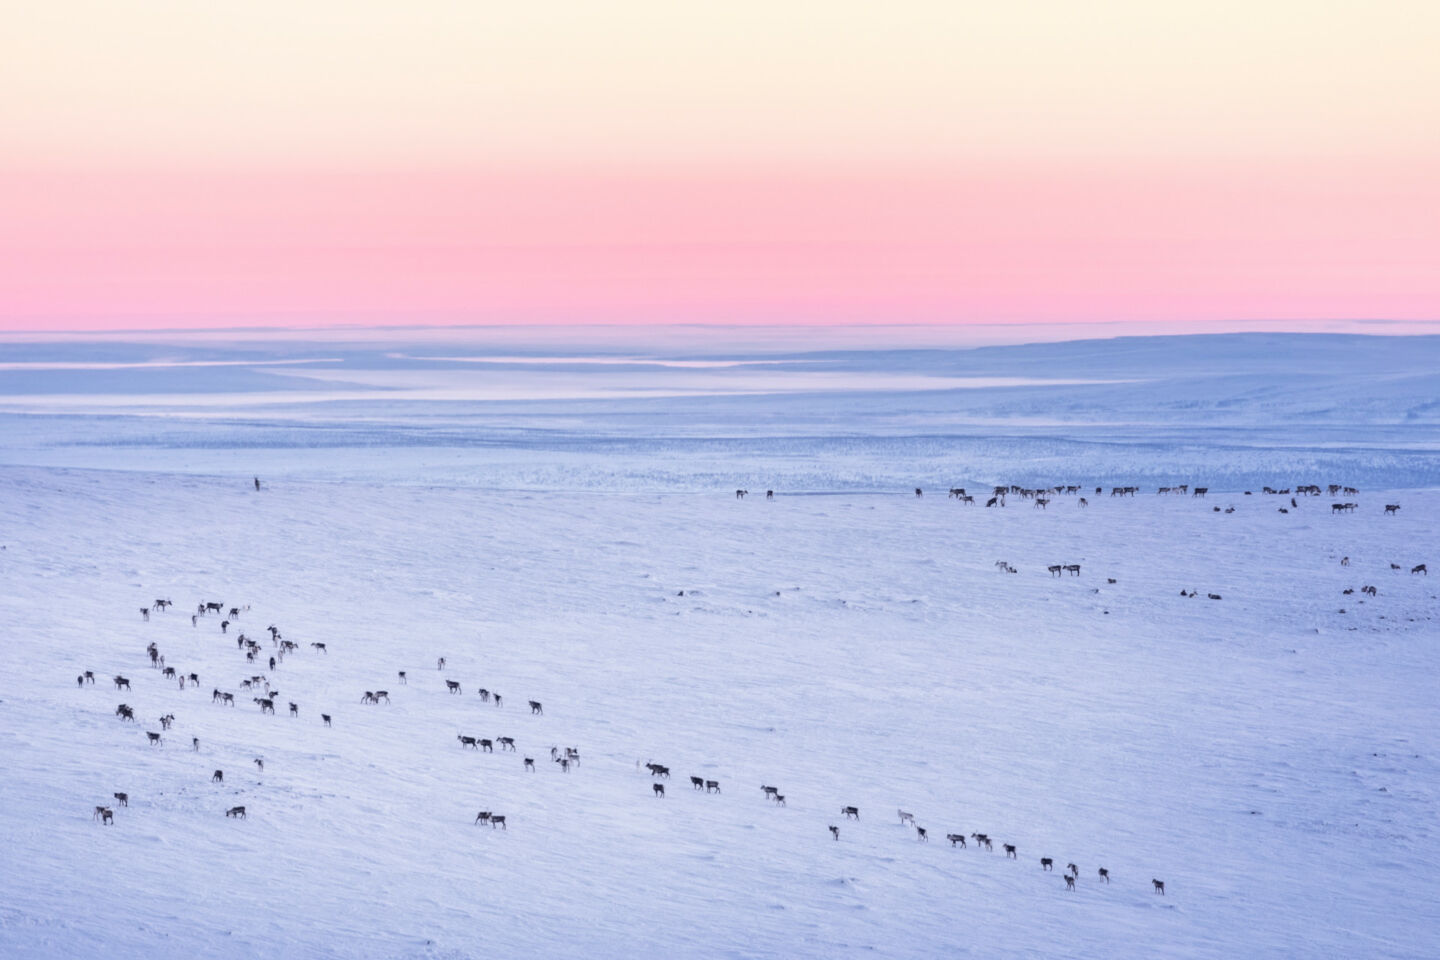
(483, 816)
(535, 707)
(906, 818)
(921, 834)
(123, 798)
(1200, 492)
(530, 764)
(955, 838)
(1420, 568)
(658, 789)
(487, 745)
(769, 494)
(326, 718)
(238, 812)
(213, 607)
(154, 738)
(453, 686)
(166, 720)
(440, 664)
(851, 813)
(740, 494)
(484, 695)
(1159, 886)
(1069, 882)
(780, 800)
(662, 771)
(104, 815)
(260, 764)
(319, 646)
(509, 743)
(1392, 508)
(498, 821)
(769, 791)
(125, 712)
(1083, 502)
(711, 786)
(266, 704)
(834, 832)
(466, 741)
(228, 699)
(145, 612)
(382, 695)
(1010, 851)
(1073, 568)
(1073, 869)
(402, 678)
(1046, 863)
(982, 840)
(697, 783)
(1055, 569)
(294, 709)
(89, 676)
(1105, 874)
(121, 682)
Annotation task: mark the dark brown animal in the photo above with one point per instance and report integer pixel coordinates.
(1159, 886)
(238, 812)
(124, 798)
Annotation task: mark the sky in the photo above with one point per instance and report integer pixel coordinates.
(172, 164)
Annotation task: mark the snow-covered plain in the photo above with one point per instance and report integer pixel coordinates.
(1273, 756)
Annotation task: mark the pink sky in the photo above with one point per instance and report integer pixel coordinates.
(876, 171)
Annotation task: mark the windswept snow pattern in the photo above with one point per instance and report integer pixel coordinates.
(1270, 753)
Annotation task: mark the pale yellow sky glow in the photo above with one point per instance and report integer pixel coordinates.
(658, 83)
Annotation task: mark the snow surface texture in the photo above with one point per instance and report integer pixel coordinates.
(1272, 759)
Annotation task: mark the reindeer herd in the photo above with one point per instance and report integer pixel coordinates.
(268, 695)
(265, 695)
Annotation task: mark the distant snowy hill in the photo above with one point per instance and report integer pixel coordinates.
(1248, 409)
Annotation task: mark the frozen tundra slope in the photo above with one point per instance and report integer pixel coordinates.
(1273, 759)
